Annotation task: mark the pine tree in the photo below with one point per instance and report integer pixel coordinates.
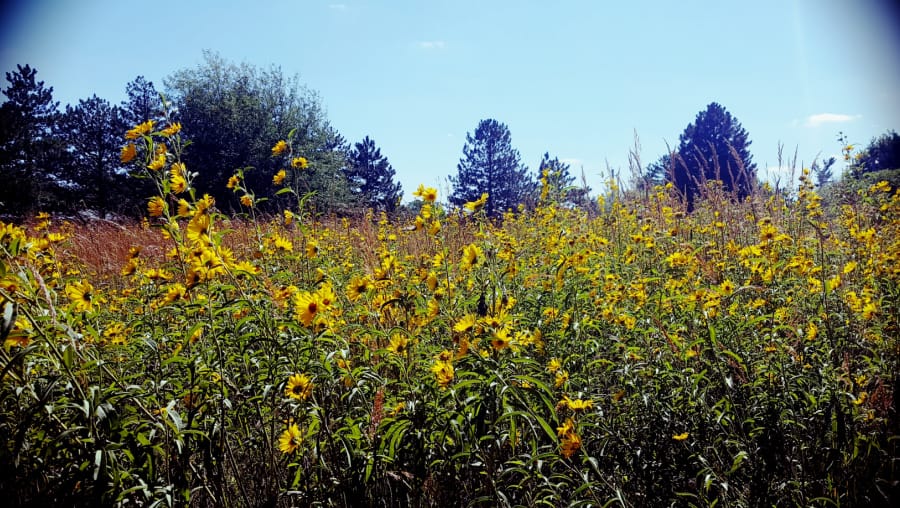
(93, 131)
(143, 102)
(561, 183)
(29, 149)
(490, 164)
(657, 173)
(714, 147)
(822, 172)
(371, 177)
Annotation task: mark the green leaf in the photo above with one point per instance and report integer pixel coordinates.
(738, 459)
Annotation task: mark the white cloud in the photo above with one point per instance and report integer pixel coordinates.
(338, 7)
(823, 118)
(431, 44)
(572, 161)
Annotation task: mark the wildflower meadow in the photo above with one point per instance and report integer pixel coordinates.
(636, 353)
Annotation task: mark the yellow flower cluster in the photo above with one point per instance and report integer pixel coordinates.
(443, 369)
(570, 441)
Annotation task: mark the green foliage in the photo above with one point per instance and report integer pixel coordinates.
(143, 102)
(560, 183)
(371, 177)
(882, 153)
(641, 356)
(860, 177)
(92, 131)
(739, 355)
(713, 147)
(28, 146)
(490, 164)
(234, 114)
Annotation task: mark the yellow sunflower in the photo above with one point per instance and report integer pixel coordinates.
(306, 306)
(478, 204)
(280, 147)
(398, 344)
(428, 194)
(357, 287)
(290, 439)
(81, 293)
(443, 369)
(501, 339)
(471, 255)
(156, 206)
(172, 129)
(140, 130)
(279, 177)
(299, 387)
(129, 152)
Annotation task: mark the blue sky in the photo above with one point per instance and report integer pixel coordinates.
(575, 78)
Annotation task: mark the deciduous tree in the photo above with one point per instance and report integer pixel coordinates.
(234, 114)
(882, 153)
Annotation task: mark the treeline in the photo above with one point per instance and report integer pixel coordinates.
(69, 160)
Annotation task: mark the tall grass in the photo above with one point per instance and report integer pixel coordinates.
(743, 354)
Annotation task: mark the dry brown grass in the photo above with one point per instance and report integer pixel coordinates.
(101, 247)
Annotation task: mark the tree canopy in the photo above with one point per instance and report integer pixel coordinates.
(713, 147)
(29, 149)
(560, 183)
(882, 153)
(822, 171)
(490, 164)
(371, 177)
(143, 102)
(92, 130)
(234, 114)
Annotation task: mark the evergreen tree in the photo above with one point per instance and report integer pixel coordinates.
(822, 172)
(490, 164)
(29, 149)
(92, 131)
(714, 147)
(561, 183)
(371, 177)
(143, 102)
(657, 172)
